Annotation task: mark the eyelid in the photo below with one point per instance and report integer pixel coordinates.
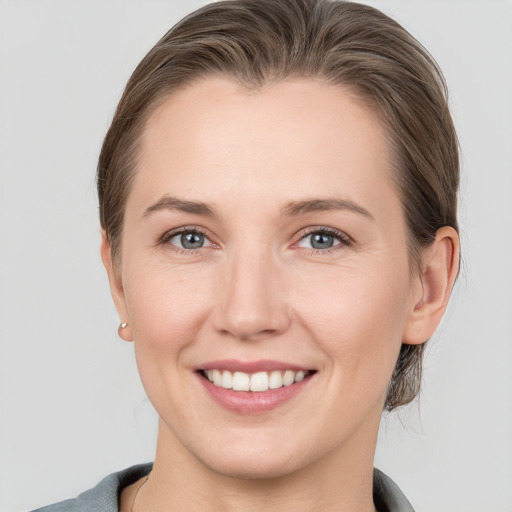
(169, 235)
(344, 239)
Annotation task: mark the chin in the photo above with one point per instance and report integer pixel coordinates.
(260, 469)
(255, 460)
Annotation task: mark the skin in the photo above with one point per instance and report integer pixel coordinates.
(258, 290)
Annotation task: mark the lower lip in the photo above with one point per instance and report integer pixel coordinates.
(253, 402)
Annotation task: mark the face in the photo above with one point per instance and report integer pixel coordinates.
(264, 244)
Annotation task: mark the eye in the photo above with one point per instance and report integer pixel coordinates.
(323, 239)
(188, 239)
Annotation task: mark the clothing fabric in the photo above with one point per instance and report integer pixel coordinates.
(387, 496)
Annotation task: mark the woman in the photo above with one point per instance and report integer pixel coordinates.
(278, 203)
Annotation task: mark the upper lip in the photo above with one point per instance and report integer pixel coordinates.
(261, 365)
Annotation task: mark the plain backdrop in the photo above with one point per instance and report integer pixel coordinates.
(72, 408)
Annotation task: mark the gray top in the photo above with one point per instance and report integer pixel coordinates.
(105, 496)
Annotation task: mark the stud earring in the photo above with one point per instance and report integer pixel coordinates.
(120, 329)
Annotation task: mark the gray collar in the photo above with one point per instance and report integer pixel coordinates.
(387, 496)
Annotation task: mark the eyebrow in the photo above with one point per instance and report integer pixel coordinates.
(296, 208)
(172, 203)
(293, 209)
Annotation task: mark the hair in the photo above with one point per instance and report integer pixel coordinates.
(260, 42)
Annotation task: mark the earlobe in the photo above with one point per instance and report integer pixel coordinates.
(436, 279)
(116, 287)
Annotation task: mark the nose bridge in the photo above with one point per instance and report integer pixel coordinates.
(252, 302)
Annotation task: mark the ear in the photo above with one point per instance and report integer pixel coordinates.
(440, 266)
(116, 286)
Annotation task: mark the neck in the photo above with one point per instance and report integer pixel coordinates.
(341, 480)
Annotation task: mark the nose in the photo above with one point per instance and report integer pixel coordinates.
(252, 297)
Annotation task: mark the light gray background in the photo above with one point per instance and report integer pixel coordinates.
(71, 405)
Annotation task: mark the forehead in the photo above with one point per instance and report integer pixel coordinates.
(296, 137)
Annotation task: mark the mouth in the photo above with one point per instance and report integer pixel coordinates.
(257, 382)
(253, 387)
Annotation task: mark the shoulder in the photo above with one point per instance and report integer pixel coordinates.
(104, 496)
(387, 496)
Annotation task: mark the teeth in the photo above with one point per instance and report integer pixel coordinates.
(275, 381)
(226, 380)
(241, 381)
(261, 381)
(216, 377)
(288, 377)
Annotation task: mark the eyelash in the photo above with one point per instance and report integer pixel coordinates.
(167, 237)
(343, 238)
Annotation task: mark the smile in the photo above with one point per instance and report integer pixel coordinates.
(254, 387)
(256, 382)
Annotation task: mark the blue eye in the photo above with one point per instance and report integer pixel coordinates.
(323, 239)
(189, 240)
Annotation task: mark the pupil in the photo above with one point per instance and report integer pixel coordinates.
(192, 240)
(322, 241)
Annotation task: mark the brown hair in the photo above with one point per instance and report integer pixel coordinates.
(259, 42)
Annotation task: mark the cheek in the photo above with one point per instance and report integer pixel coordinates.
(166, 306)
(357, 317)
